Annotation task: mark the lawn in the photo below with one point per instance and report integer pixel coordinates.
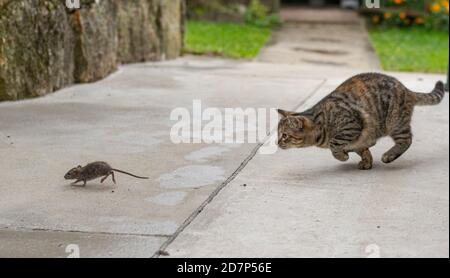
(225, 39)
(411, 49)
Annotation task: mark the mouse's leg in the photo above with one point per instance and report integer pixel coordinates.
(84, 182)
(104, 178)
(112, 175)
(75, 182)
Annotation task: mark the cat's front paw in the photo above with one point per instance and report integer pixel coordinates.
(341, 156)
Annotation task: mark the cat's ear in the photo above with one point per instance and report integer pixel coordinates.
(283, 112)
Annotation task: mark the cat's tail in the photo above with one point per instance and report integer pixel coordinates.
(433, 98)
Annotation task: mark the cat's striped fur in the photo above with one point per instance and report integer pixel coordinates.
(351, 118)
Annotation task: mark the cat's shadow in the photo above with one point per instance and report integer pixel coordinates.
(379, 168)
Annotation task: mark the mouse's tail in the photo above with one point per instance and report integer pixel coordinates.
(126, 173)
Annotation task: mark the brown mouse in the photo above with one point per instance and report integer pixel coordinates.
(94, 170)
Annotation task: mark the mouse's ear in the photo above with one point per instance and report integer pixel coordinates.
(79, 166)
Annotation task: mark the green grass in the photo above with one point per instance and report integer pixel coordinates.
(413, 49)
(225, 39)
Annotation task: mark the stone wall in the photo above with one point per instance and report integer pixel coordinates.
(44, 46)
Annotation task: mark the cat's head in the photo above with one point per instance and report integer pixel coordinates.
(295, 130)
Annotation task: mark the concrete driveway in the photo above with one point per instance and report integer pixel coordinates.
(295, 203)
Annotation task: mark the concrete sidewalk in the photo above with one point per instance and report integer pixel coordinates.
(304, 203)
(295, 203)
(125, 120)
(317, 37)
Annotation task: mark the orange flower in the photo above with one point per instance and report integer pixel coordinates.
(398, 2)
(435, 7)
(444, 4)
(375, 19)
(402, 15)
(419, 20)
(387, 15)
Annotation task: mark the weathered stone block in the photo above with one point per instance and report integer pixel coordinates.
(36, 48)
(137, 31)
(95, 32)
(45, 46)
(171, 27)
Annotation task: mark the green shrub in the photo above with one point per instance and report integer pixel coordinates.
(438, 16)
(257, 14)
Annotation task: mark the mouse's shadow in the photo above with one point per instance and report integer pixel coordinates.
(91, 187)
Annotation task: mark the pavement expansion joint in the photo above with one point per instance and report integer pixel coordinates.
(228, 180)
(28, 229)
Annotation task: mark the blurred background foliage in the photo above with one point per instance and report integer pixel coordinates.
(232, 28)
(431, 14)
(407, 35)
(411, 35)
(261, 13)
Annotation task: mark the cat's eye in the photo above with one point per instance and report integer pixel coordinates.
(284, 136)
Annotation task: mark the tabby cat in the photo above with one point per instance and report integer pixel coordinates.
(351, 118)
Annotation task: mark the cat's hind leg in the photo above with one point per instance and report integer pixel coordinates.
(366, 159)
(403, 139)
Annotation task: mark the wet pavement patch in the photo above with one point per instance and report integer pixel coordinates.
(204, 154)
(192, 176)
(324, 62)
(321, 39)
(168, 198)
(320, 51)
